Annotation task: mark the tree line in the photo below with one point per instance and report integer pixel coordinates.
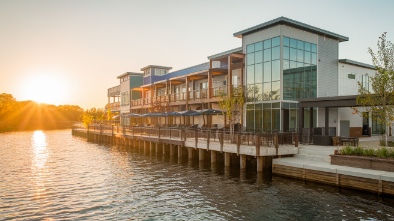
(29, 115)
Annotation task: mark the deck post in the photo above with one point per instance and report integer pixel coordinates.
(201, 154)
(242, 162)
(171, 150)
(179, 151)
(213, 157)
(151, 149)
(227, 159)
(190, 153)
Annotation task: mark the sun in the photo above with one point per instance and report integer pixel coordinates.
(44, 88)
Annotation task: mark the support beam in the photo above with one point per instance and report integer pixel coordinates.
(264, 163)
(242, 162)
(213, 157)
(190, 153)
(179, 151)
(201, 154)
(227, 159)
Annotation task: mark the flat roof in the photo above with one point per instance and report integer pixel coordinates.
(156, 66)
(225, 53)
(296, 24)
(130, 73)
(356, 63)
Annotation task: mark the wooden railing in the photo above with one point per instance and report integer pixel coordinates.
(184, 133)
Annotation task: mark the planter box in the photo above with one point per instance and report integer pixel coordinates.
(372, 163)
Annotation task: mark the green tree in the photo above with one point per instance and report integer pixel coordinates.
(380, 100)
(232, 105)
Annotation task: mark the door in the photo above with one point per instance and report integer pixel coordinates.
(344, 126)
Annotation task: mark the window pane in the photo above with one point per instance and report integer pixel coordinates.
(286, 65)
(293, 64)
(267, 91)
(267, 43)
(250, 119)
(300, 55)
(293, 54)
(276, 105)
(314, 59)
(250, 59)
(250, 74)
(286, 53)
(258, 73)
(249, 93)
(300, 45)
(307, 46)
(258, 90)
(258, 46)
(258, 120)
(286, 41)
(267, 71)
(266, 120)
(293, 43)
(307, 58)
(276, 70)
(276, 41)
(275, 94)
(275, 53)
(275, 120)
(258, 57)
(250, 48)
(313, 48)
(267, 55)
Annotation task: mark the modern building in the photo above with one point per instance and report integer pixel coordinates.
(279, 63)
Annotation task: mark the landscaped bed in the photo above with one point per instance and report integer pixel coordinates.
(381, 158)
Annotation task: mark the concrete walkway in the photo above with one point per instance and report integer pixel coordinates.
(318, 158)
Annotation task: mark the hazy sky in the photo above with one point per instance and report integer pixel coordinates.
(70, 52)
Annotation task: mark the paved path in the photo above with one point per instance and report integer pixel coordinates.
(317, 158)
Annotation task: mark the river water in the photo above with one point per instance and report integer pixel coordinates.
(51, 175)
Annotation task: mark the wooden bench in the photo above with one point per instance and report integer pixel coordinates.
(350, 141)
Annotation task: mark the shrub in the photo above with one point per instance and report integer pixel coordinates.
(382, 152)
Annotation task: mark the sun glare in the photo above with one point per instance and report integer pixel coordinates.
(45, 88)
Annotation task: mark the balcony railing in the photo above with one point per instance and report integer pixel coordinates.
(113, 106)
(114, 91)
(178, 97)
(219, 91)
(198, 94)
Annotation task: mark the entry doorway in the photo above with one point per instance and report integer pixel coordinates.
(344, 126)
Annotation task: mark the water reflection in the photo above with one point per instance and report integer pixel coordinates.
(39, 145)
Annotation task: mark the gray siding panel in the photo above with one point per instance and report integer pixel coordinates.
(327, 79)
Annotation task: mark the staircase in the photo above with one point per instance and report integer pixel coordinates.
(315, 153)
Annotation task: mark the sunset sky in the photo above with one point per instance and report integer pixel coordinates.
(70, 52)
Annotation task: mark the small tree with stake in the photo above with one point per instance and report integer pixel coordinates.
(381, 99)
(232, 106)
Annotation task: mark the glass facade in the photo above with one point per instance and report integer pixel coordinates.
(299, 69)
(263, 70)
(267, 109)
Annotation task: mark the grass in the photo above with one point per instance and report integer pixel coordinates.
(381, 152)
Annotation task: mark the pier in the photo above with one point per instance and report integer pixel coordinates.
(236, 147)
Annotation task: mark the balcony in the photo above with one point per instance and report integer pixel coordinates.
(114, 91)
(198, 94)
(114, 107)
(177, 97)
(219, 91)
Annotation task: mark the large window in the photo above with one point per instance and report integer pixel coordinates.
(299, 69)
(263, 70)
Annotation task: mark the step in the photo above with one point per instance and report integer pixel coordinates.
(317, 158)
(306, 151)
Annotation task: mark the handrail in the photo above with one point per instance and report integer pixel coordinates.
(270, 139)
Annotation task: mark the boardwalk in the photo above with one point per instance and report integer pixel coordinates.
(263, 146)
